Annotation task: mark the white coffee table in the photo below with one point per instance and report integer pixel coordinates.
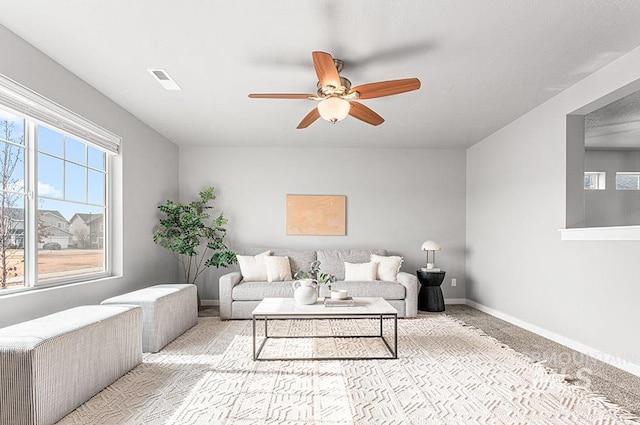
(287, 309)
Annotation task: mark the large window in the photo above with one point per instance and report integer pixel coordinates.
(628, 181)
(54, 197)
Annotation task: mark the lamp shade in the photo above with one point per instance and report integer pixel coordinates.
(334, 109)
(430, 246)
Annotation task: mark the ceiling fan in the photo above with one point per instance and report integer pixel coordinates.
(336, 97)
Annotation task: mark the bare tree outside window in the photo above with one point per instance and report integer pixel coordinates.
(44, 231)
(11, 204)
(81, 233)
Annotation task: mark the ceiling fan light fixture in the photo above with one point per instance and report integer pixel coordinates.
(334, 109)
(335, 96)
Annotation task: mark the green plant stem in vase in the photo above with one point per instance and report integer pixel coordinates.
(316, 275)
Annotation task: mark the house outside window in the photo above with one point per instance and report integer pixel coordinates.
(54, 202)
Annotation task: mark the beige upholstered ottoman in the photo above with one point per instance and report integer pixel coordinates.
(167, 312)
(51, 365)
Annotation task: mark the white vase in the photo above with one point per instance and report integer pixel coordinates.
(305, 291)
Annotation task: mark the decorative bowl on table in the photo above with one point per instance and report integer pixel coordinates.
(339, 294)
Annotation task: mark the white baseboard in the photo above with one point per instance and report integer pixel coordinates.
(560, 339)
(450, 301)
(210, 303)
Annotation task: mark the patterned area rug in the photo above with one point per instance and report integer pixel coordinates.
(447, 373)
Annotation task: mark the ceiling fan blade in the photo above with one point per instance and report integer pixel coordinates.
(280, 95)
(309, 119)
(386, 88)
(326, 69)
(363, 113)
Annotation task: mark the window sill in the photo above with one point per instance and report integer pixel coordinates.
(24, 290)
(614, 233)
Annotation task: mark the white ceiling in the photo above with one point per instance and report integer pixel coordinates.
(615, 126)
(482, 63)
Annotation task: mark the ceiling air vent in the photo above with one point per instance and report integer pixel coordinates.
(163, 77)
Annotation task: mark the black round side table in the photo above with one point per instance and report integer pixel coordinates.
(430, 297)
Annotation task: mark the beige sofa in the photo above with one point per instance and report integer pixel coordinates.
(238, 297)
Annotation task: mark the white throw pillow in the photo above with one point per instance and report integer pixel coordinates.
(253, 269)
(360, 271)
(388, 267)
(278, 269)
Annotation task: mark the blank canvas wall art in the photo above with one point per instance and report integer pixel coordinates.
(318, 215)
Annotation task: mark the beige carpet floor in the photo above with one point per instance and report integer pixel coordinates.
(447, 373)
(620, 387)
(614, 384)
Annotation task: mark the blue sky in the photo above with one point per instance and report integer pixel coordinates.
(70, 173)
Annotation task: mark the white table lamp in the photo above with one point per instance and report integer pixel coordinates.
(431, 246)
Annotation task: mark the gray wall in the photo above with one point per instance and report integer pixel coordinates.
(611, 207)
(516, 264)
(396, 199)
(147, 174)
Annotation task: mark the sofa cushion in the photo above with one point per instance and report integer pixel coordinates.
(298, 259)
(388, 267)
(332, 260)
(278, 268)
(360, 271)
(376, 288)
(253, 268)
(254, 291)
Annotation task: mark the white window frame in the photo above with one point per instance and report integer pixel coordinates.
(600, 178)
(38, 110)
(107, 211)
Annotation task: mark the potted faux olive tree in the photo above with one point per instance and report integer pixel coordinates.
(187, 229)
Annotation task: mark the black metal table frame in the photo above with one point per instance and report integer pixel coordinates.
(265, 317)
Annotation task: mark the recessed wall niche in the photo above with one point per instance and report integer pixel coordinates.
(603, 142)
